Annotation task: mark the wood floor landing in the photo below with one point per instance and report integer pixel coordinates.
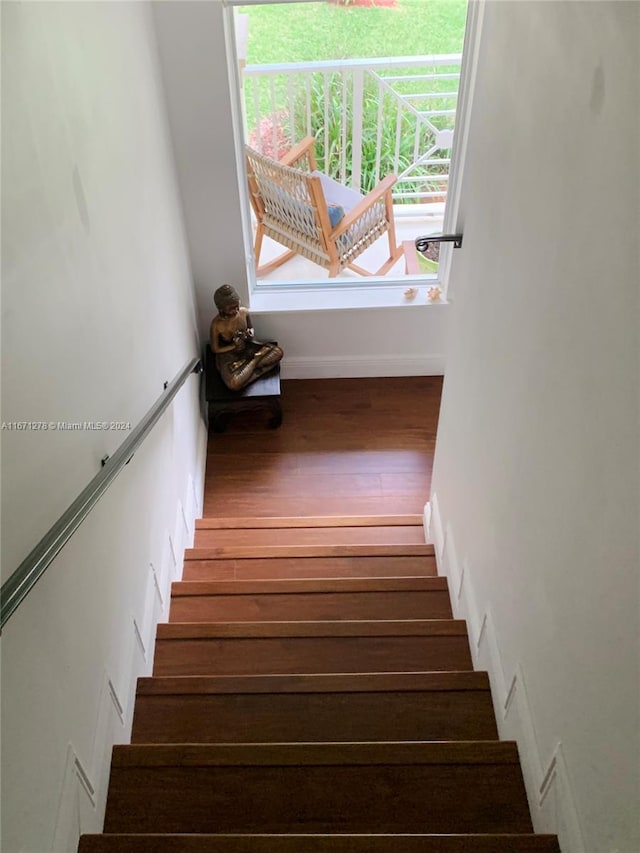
(345, 447)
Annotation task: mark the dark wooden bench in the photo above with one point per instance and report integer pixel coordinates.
(264, 393)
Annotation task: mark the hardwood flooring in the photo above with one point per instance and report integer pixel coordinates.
(311, 690)
(345, 447)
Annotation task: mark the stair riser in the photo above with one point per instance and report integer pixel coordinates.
(289, 799)
(309, 607)
(261, 656)
(299, 717)
(308, 567)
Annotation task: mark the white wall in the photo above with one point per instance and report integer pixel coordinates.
(191, 45)
(97, 312)
(408, 339)
(535, 492)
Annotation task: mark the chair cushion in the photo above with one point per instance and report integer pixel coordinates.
(336, 214)
(337, 194)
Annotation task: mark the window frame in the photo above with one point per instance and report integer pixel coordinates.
(384, 291)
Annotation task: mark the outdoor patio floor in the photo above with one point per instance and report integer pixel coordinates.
(429, 221)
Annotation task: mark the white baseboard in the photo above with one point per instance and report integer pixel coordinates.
(339, 367)
(548, 783)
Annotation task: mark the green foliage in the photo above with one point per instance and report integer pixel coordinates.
(380, 115)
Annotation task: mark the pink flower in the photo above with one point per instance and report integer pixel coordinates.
(270, 137)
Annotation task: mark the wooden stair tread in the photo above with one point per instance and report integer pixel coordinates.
(256, 522)
(310, 600)
(279, 551)
(363, 628)
(331, 646)
(402, 843)
(313, 683)
(318, 787)
(293, 568)
(425, 706)
(287, 586)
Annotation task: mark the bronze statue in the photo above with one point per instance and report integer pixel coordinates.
(240, 359)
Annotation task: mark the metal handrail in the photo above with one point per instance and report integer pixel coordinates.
(24, 578)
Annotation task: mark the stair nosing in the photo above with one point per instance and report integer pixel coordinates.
(247, 552)
(365, 753)
(293, 586)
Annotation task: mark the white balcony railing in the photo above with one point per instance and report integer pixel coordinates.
(370, 117)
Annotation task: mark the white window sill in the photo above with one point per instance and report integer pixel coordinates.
(317, 298)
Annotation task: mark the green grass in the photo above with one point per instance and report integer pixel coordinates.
(299, 32)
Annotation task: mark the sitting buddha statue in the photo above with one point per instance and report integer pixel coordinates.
(240, 358)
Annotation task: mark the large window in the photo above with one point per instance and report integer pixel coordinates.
(375, 84)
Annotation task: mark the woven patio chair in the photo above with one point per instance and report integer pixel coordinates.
(315, 216)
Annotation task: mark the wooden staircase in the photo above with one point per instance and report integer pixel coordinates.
(312, 692)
